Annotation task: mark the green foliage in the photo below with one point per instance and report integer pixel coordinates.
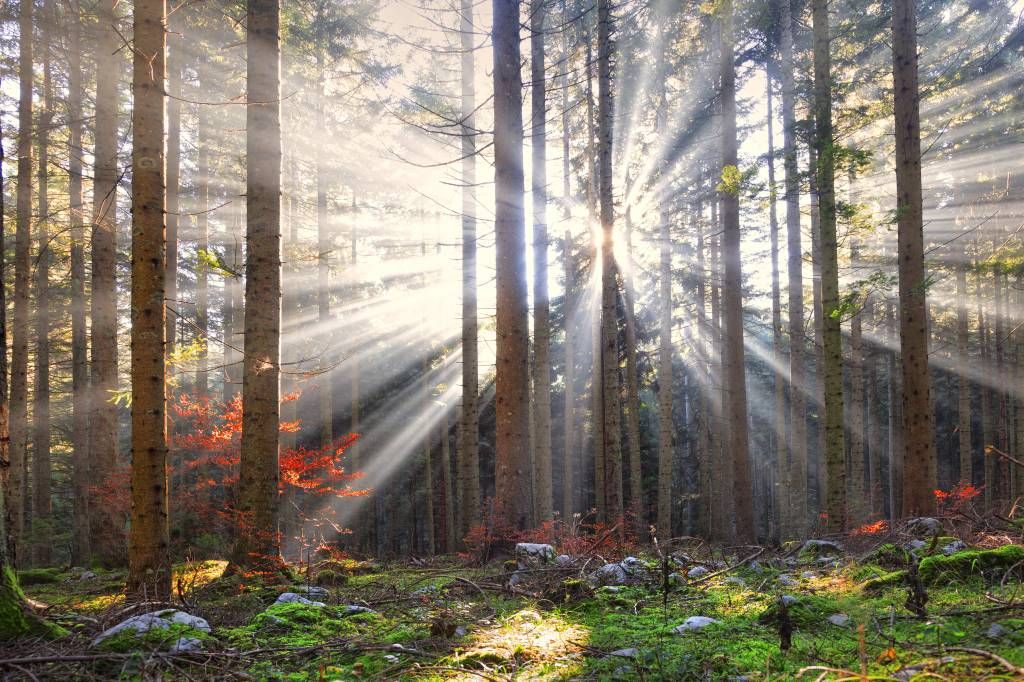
(38, 576)
(154, 639)
(213, 261)
(734, 181)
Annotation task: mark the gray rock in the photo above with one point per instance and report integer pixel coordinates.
(186, 644)
(351, 609)
(676, 578)
(611, 589)
(788, 600)
(609, 574)
(915, 545)
(996, 631)
(954, 547)
(925, 526)
(293, 598)
(623, 672)
(736, 580)
(87, 575)
(517, 578)
(828, 561)
(532, 554)
(391, 658)
(808, 575)
(787, 580)
(697, 572)
(316, 592)
(694, 623)
(839, 619)
(156, 620)
(625, 653)
(563, 560)
(818, 547)
(461, 631)
(755, 566)
(908, 673)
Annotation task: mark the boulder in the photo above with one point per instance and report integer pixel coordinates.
(954, 547)
(697, 572)
(694, 623)
(808, 575)
(563, 560)
(186, 645)
(625, 653)
(531, 554)
(155, 620)
(293, 598)
(839, 619)
(924, 526)
(609, 574)
(996, 631)
(787, 580)
(817, 548)
(316, 592)
(352, 609)
(788, 600)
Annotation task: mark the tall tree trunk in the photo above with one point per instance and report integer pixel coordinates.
(705, 406)
(835, 455)
(42, 531)
(19, 480)
(796, 477)
(175, 64)
(858, 499)
(149, 562)
(737, 438)
(323, 267)
(80, 479)
(447, 485)
(469, 426)
(721, 482)
(964, 426)
(107, 536)
(781, 490)
(632, 412)
(203, 181)
(918, 438)
(610, 400)
(541, 305)
(895, 421)
(512, 389)
(258, 542)
(570, 488)
(665, 383)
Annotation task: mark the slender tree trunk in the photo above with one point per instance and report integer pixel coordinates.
(541, 305)
(875, 400)
(895, 421)
(469, 426)
(636, 499)
(737, 443)
(447, 484)
(203, 181)
(512, 390)
(857, 495)
(796, 477)
(705, 406)
(569, 303)
(835, 455)
(149, 562)
(258, 542)
(665, 384)
(80, 479)
(175, 64)
(42, 531)
(781, 489)
(323, 268)
(612, 444)
(19, 479)
(722, 497)
(918, 437)
(107, 537)
(964, 426)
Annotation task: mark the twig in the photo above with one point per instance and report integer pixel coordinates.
(989, 655)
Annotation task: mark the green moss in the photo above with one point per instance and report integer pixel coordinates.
(154, 639)
(16, 618)
(38, 576)
(971, 562)
(883, 582)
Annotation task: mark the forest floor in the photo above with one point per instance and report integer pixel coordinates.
(848, 611)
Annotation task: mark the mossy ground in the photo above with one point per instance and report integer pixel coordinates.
(412, 633)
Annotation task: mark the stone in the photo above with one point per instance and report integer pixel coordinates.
(609, 574)
(828, 561)
(625, 653)
(954, 547)
(694, 623)
(787, 580)
(915, 545)
(925, 526)
(808, 575)
(517, 578)
(756, 567)
(186, 644)
(996, 631)
(461, 631)
(351, 609)
(391, 658)
(736, 580)
(911, 672)
(675, 578)
(697, 572)
(839, 619)
(316, 592)
(788, 600)
(533, 554)
(156, 620)
(819, 547)
(293, 598)
(87, 575)
(563, 560)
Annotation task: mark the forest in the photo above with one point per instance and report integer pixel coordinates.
(512, 340)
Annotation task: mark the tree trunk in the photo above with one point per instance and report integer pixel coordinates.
(964, 426)
(781, 490)
(258, 542)
(42, 530)
(665, 384)
(737, 438)
(107, 534)
(918, 438)
(469, 426)
(323, 267)
(570, 488)
(541, 305)
(796, 477)
(80, 479)
(202, 207)
(19, 480)
(175, 64)
(858, 507)
(636, 499)
(895, 421)
(149, 562)
(835, 455)
(512, 390)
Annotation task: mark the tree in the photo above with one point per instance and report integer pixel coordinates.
(918, 435)
(734, 380)
(469, 425)
(257, 544)
(665, 426)
(541, 305)
(106, 538)
(512, 391)
(149, 562)
(835, 455)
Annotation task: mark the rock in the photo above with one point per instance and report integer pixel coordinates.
(697, 572)
(156, 620)
(397, 647)
(828, 562)
(808, 575)
(924, 526)
(694, 623)
(954, 547)
(316, 592)
(910, 672)
(611, 589)
(788, 600)
(755, 566)
(87, 575)
(563, 560)
(736, 580)
(625, 653)
(292, 598)
(609, 574)
(676, 578)
(391, 658)
(461, 631)
(186, 644)
(531, 554)
(787, 580)
(820, 547)
(517, 578)
(351, 609)
(839, 619)
(996, 631)
(915, 545)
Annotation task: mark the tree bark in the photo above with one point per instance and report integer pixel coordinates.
(541, 305)
(781, 490)
(149, 562)
(175, 64)
(570, 489)
(835, 455)
(202, 207)
(323, 266)
(964, 426)
(632, 411)
(918, 437)
(258, 542)
(858, 507)
(665, 385)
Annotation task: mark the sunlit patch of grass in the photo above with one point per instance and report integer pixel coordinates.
(193, 575)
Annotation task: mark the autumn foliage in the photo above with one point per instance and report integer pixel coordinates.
(957, 499)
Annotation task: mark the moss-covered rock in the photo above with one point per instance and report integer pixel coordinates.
(970, 563)
(39, 576)
(16, 618)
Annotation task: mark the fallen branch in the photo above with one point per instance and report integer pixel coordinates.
(733, 567)
(989, 655)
